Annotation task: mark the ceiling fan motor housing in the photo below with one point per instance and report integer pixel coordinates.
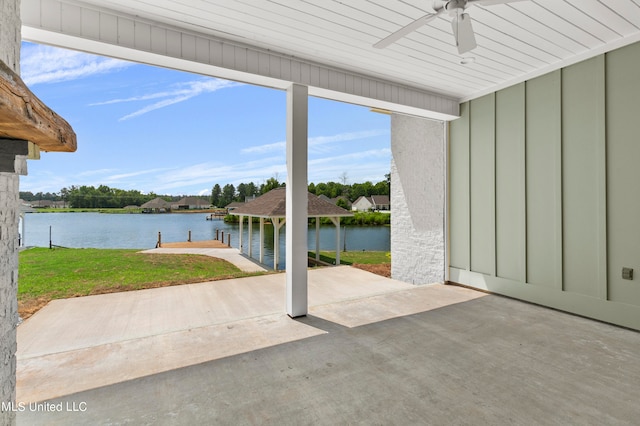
(455, 7)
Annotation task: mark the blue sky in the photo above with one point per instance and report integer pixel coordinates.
(171, 132)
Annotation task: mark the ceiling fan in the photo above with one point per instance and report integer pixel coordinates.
(461, 22)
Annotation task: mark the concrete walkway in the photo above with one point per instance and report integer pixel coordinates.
(99, 338)
(372, 351)
(231, 255)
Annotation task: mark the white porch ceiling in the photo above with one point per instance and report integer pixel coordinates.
(516, 41)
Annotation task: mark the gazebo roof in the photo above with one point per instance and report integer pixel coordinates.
(273, 204)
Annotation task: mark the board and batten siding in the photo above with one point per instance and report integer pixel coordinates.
(543, 181)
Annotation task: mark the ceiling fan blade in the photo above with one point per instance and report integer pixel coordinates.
(393, 37)
(463, 32)
(490, 2)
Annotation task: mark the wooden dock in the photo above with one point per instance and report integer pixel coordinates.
(196, 244)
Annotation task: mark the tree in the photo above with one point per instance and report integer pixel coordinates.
(342, 203)
(103, 197)
(228, 194)
(64, 194)
(271, 183)
(252, 189)
(388, 179)
(381, 188)
(216, 193)
(334, 189)
(362, 189)
(241, 192)
(321, 189)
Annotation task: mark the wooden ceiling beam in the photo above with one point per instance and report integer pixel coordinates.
(25, 117)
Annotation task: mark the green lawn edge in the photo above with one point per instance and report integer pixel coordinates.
(48, 274)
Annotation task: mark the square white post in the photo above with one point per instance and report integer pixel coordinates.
(317, 238)
(240, 234)
(337, 240)
(336, 222)
(262, 240)
(250, 237)
(276, 242)
(297, 200)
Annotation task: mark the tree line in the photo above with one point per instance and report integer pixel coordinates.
(104, 196)
(221, 196)
(91, 197)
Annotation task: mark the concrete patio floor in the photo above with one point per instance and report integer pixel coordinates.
(372, 351)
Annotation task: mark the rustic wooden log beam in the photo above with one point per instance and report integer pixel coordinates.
(24, 116)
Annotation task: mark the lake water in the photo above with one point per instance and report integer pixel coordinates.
(140, 231)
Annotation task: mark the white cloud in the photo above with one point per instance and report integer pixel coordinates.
(44, 181)
(366, 165)
(41, 64)
(261, 149)
(95, 172)
(135, 98)
(355, 156)
(316, 141)
(349, 136)
(360, 166)
(155, 106)
(124, 176)
(178, 93)
(210, 173)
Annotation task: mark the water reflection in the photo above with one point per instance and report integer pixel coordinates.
(140, 231)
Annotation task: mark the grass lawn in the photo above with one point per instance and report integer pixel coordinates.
(46, 274)
(355, 257)
(377, 262)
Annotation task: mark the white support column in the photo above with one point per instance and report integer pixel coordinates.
(336, 222)
(317, 238)
(250, 238)
(262, 240)
(276, 242)
(240, 234)
(297, 200)
(277, 224)
(337, 241)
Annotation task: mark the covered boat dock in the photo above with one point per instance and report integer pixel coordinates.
(272, 206)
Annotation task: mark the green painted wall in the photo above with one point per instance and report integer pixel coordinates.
(623, 172)
(583, 159)
(510, 186)
(459, 191)
(544, 204)
(543, 176)
(482, 196)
